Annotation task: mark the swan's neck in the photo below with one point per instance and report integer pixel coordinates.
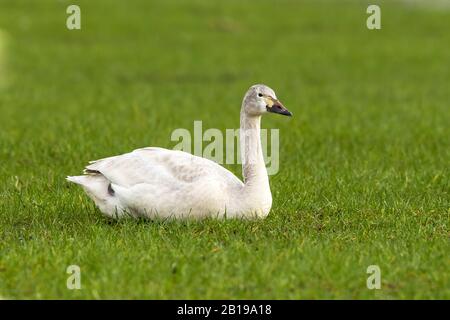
(254, 170)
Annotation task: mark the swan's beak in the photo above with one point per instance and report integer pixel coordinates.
(275, 106)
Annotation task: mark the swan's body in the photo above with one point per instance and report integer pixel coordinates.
(156, 182)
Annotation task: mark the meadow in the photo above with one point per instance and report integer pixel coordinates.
(364, 162)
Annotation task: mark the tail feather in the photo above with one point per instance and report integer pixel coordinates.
(76, 179)
(99, 189)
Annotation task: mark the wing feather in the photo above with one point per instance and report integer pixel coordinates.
(158, 166)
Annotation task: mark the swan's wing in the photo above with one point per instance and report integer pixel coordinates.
(159, 166)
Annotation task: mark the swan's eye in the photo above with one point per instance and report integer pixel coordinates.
(260, 94)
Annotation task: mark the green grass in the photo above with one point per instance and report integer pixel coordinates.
(364, 174)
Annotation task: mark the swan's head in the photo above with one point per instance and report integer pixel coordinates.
(260, 99)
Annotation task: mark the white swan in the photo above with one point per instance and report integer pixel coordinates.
(156, 182)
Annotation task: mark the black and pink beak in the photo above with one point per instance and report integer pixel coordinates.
(275, 106)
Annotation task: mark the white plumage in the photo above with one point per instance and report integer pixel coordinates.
(156, 182)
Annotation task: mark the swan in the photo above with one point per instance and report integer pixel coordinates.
(160, 183)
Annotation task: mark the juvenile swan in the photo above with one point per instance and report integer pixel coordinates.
(156, 182)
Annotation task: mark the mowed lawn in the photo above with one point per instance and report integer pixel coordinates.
(364, 162)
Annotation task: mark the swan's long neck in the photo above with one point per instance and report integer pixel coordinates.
(254, 170)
